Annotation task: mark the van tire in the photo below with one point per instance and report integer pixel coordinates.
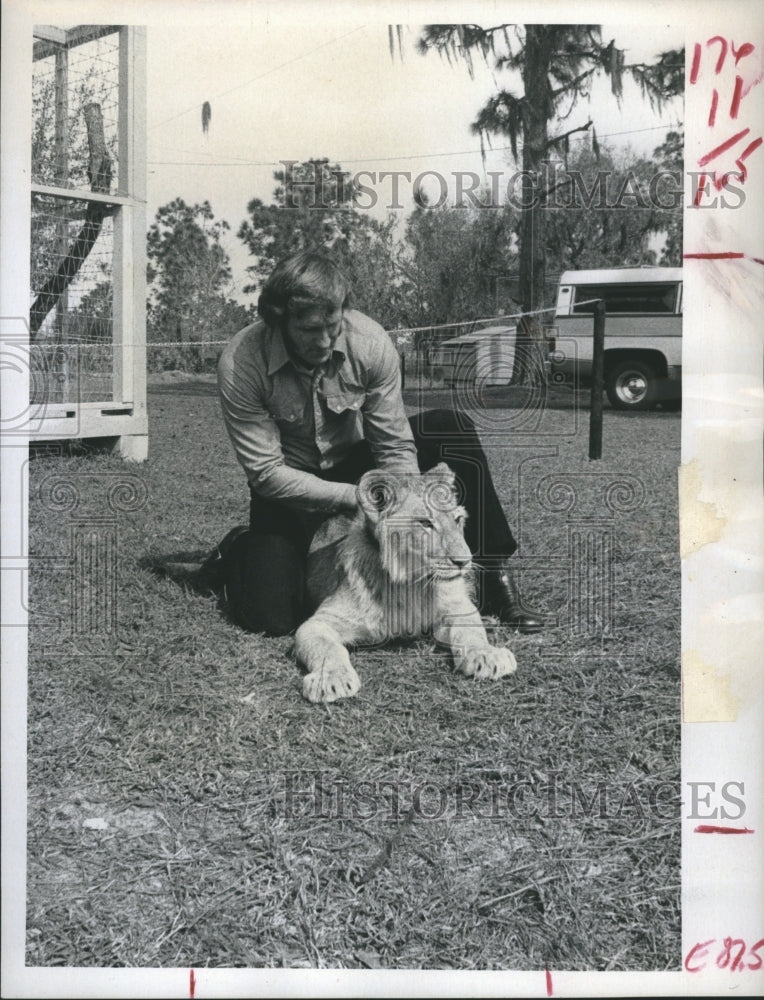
(632, 385)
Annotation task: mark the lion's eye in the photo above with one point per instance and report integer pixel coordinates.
(425, 522)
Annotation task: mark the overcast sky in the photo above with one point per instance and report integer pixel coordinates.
(282, 92)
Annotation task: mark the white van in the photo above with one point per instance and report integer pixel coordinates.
(643, 332)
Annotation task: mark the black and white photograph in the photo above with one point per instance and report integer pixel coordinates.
(382, 499)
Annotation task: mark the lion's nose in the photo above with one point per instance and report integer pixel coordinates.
(461, 561)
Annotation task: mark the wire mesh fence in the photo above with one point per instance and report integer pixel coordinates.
(65, 81)
(75, 146)
(74, 340)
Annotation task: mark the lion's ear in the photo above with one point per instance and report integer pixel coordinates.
(443, 471)
(441, 492)
(376, 493)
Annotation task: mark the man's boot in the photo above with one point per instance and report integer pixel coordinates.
(210, 574)
(502, 598)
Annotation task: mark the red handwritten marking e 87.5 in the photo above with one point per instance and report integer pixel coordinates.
(729, 953)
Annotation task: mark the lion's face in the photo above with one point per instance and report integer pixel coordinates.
(417, 523)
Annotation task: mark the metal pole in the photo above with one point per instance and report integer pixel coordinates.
(598, 379)
(61, 179)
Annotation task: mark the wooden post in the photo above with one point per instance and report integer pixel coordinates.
(130, 245)
(598, 380)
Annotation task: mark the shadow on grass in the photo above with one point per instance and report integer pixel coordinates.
(95, 448)
(180, 568)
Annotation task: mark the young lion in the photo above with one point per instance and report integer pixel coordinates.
(399, 568)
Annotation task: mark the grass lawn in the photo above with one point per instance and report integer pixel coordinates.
(188, 808)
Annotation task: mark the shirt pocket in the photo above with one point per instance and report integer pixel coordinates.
(341, 400)
(286, 408)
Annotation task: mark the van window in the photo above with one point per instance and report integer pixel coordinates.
(628, 298)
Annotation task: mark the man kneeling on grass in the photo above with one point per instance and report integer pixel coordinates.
(311, 397)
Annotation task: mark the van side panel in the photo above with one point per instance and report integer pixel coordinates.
(622, 332)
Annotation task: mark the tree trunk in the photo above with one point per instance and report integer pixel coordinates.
(537, 110)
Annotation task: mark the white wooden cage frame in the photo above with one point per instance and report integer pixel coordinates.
(123, 419)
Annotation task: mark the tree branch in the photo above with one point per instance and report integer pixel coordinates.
(574, 82)
(581, 128)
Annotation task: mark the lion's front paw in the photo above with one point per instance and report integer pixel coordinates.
(330, 681)
(486, 662)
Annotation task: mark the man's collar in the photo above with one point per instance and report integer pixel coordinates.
(340, 344)
(278, 355)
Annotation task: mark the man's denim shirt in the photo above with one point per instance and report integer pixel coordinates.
(287, 424)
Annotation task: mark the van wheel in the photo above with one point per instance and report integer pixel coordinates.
(632, 385)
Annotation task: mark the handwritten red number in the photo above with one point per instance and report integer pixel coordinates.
(725, 955)
(695, 63)
(757, 956)
(722, 53)
(731, 956)
(702, 948)
(736, 96)
(745, 50)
